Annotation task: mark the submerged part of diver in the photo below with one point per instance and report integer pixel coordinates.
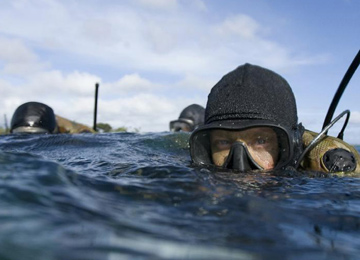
(33, 117)
(240, 159)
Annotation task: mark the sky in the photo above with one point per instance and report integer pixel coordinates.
(152, 58)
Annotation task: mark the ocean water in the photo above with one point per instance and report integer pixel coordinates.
(136, 196)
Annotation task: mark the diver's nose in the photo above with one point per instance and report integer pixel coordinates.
(339, 160)
(238, 158)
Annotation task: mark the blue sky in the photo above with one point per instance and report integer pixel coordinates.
(155, 57)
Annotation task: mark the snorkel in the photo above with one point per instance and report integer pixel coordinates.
(95, 106)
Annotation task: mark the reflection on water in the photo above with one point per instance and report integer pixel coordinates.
(111, 196)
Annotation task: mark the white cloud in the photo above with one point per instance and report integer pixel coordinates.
(5, 86)
(158, 4)
(18, 59)
(79, 109)
(57, 83)
(62, 92)
(199, 5)
(239, 25)
(163, 56)
(355, 117)
(22, 69)
(146, 111)
(136, 39)
(176, 44)
(161, 39)
(194, 82)
(13, 50)
(127, 102)
(131, 83)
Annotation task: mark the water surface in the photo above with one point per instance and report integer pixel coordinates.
(135, 196)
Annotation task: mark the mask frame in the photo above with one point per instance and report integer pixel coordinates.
(177, 125)
(200, 148)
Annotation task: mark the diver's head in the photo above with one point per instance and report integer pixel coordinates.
(190, 118)
(33, 118)
(250, 123)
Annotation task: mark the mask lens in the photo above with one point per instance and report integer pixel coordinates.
(265, 147)
(177, 126)
(29, 130)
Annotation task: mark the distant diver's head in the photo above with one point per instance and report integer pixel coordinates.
(190, 118)
(251, 123)
(33, 118)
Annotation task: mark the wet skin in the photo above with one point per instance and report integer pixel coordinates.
(184, 128)
(261, 142)
(181, 127)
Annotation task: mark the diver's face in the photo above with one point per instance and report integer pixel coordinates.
(261, 142)
(179, 126)
(183, 128)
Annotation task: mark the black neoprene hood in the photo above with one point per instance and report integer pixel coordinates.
(193, 114)
(34, 114)
(247, 96)
(252, 92)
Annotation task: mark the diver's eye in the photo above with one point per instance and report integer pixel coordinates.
(261, 140)
(223, 144)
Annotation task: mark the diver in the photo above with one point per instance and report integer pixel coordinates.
(251, 124)
(33, 118)
(190, 118)
(39, 118)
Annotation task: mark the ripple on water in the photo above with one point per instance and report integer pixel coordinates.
(136, 196)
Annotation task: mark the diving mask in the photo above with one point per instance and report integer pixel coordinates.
(182, 124)
(260, 147)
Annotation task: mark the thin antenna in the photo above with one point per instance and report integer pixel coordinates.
(95, 109)
(348, 75)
